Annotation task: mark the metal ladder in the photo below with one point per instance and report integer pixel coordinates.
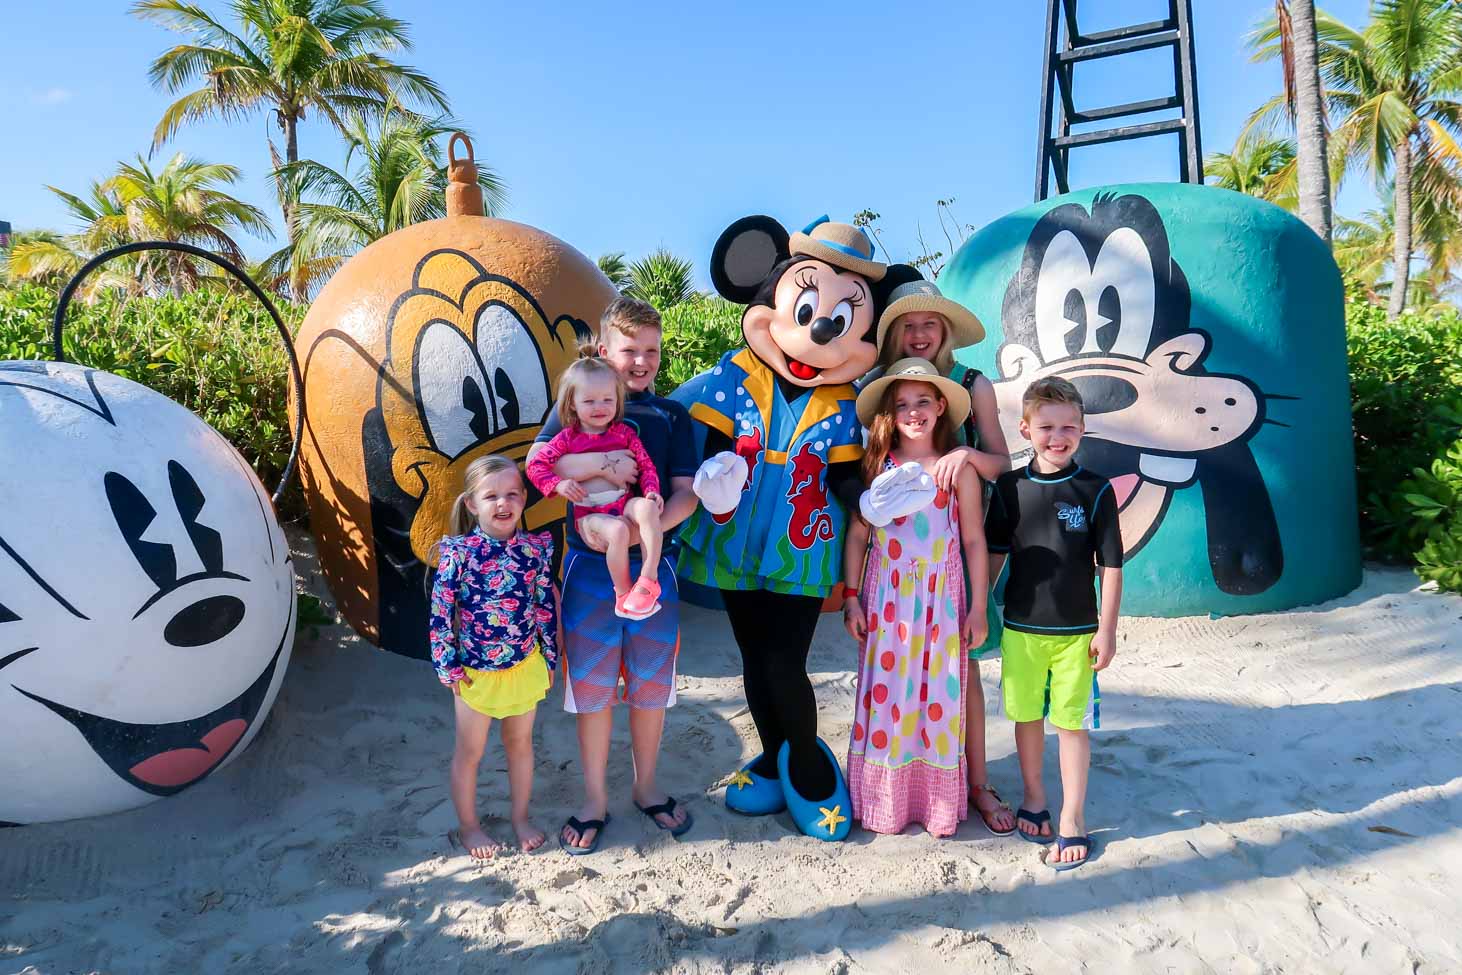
(1062, 56)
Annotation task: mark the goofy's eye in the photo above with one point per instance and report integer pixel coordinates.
(806, 306)
(842, 317)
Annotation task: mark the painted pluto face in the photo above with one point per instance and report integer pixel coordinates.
(471, 356)
(146, 596)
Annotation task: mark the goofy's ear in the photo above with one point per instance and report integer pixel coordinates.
(896, 275)
(745, 254)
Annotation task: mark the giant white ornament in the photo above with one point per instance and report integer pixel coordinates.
(146, 595)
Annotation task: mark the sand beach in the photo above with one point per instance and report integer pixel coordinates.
(1270, 794)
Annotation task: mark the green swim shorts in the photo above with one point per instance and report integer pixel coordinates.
(1047, 675)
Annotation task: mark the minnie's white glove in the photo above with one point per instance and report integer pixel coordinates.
(896, 493)
(719, 481)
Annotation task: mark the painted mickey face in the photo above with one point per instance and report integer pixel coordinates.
(146, 596)
(817, 333)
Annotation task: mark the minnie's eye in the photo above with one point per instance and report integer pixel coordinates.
(806, 306)
(842, 317)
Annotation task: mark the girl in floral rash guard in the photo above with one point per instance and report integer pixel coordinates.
(494, 640)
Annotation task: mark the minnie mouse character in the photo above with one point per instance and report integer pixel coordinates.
(783, 446)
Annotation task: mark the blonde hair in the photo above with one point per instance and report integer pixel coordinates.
(1050, 391)
(577, 374)
(627, 316)
(462, 519)
(893, 345)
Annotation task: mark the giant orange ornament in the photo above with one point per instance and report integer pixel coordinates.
(435, 345)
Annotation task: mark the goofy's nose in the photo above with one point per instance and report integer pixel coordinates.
(824, 330)
(1104, 394)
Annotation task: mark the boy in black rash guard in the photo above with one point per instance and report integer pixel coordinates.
(1058, 522)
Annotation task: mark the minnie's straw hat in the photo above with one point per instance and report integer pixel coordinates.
(841, 245)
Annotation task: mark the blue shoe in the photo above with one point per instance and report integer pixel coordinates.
(825, 819)
(754, 795)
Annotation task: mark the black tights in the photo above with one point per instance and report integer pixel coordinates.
(774, 631)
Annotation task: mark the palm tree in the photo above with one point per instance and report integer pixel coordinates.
(1299, 54)
(286, 57)
(662, 279)
(615, 269)
(42, 257)
(183, 202)
(1258, 167)
(1390, 88)
(1365, 250)
(393, 176)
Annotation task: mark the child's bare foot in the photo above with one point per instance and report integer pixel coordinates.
(530, 837)
(1073, 827)
(476, 842)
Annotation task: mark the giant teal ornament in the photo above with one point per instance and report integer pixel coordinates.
(1205, 330)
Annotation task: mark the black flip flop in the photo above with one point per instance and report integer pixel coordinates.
(667, 808)
(582, 827)
(1036, 819)
(1064, 843)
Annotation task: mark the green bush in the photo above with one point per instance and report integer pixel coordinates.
(1434, 497)
(1406, 399)
(696, 334)
(217, 353)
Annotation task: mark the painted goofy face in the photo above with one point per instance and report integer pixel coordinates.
(1099, 301)
(146, 596)
(818, 331)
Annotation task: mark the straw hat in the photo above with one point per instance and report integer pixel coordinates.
(923, 371)
(841, 245)
(965, 328)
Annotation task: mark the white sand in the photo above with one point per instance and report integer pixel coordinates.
(1243, 765)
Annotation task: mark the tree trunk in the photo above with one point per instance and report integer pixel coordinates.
(1401, 260)
(1312, 162)
(291, 156)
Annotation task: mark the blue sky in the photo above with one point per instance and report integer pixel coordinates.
(625, 127)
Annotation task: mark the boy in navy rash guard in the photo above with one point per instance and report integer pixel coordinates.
(1059, 523)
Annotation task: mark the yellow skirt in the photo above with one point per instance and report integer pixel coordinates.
(507, 693)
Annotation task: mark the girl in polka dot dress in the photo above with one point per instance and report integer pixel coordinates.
(909, 611)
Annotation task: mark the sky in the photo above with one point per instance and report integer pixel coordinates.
(627, 127)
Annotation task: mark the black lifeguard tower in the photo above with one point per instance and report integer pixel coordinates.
(1067, 46)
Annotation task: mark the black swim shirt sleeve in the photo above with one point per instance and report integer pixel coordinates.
(1107, 528)
(997, 520)
(683, 461)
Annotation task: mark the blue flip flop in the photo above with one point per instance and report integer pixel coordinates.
(667, 808)
(1064, 843)
(751, 794)
(1036, 819)
(826, 819)
(582, 827)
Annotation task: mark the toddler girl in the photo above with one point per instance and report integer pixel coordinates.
(494, 640)
(906, 761)
(591, 410)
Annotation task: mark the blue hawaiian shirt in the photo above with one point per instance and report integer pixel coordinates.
(501, 593)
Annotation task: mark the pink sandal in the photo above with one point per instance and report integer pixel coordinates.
(639, 603)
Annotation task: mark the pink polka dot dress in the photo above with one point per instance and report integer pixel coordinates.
(906, 761)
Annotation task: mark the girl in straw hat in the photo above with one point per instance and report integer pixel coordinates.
(908, 607)
(920, 321)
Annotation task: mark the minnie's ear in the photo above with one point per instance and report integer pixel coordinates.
(897, 274)
(745, 254)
